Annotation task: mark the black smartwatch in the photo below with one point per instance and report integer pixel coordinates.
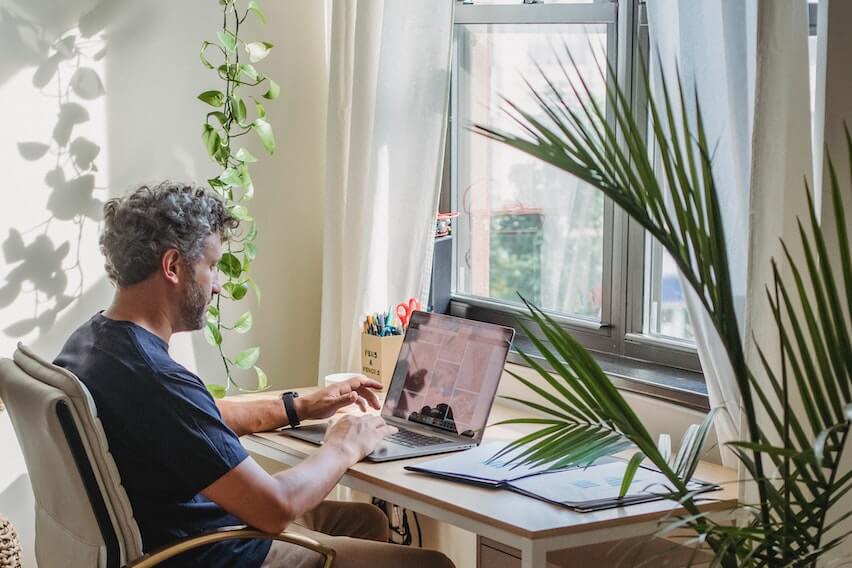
(290, 407)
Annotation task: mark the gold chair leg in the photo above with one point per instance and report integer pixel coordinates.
(228, 533)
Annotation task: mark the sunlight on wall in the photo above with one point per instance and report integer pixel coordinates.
(53, 145)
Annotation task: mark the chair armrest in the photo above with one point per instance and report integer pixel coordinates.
(228, 533)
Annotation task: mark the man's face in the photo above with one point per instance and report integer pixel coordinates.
(201, 286)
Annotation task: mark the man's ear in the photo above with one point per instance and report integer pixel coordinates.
(171, 266)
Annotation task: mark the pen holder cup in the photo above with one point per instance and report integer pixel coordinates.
(379, 355)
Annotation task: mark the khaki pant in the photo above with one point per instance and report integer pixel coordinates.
(358, 533)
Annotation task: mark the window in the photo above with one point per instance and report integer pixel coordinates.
(526, 227)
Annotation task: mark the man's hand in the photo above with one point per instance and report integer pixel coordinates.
(325, 402)
(357, 436)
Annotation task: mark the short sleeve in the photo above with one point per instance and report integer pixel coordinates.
(192, 442)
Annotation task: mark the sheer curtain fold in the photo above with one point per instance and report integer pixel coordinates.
(748, 63)
(711, 44)
(387, 116)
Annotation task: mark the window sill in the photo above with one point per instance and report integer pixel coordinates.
(677, 386)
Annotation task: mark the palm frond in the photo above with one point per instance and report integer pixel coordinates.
(678, 204)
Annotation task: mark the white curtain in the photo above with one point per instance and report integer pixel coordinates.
(387, 117)
(711, 42)
(781, 160)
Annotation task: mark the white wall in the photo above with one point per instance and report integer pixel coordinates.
(145, 125)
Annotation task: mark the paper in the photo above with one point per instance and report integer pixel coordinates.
(595, 485)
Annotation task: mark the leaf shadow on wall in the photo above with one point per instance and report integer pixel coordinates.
(41, 270)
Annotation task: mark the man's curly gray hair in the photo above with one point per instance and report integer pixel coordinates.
(142, 225)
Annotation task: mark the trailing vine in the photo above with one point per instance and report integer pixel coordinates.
(222, 127)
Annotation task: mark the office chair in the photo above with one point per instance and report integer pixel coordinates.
(83, 515)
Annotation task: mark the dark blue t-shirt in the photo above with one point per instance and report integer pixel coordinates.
(166, 435)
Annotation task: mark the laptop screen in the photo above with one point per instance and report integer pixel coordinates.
(447, 373)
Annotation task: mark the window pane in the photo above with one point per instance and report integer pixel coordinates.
(524, 226)
(666, 315)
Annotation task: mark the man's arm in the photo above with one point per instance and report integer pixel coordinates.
(250, 416)
(271, 502)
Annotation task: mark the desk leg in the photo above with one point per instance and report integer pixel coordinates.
(533, 555)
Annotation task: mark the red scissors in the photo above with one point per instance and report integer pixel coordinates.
(405, 309)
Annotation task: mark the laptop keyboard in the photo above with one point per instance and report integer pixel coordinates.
(411, 439)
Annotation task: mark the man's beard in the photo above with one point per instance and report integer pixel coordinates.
(193, 307)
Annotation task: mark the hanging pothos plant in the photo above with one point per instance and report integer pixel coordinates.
(223, 126)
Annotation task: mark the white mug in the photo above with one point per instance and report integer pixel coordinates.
(339, 378)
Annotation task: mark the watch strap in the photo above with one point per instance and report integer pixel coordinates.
(290, 408)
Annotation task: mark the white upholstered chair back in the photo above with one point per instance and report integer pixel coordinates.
(83, 516)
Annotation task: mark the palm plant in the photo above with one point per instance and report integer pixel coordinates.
(792, 456)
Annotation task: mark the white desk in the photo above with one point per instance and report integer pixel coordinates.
(533, 527)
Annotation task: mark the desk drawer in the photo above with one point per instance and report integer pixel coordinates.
(630, 552)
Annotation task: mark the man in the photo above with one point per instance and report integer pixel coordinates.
(177, 449)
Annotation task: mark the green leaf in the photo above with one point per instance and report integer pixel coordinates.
(218, 391)
(228, 39)
(230, 265)
(240, 212)
(257, 50)
(204, 46)
(249, 192)
(252, 234)
(213, 311)
(230, 71)
(212, 334)
(262, 380)
(244, 323)
(244, 156)
(216, 183)
(254, 7)
(221, 157)
(238, 108)
(249, 71)
(231, 177)
(251, 251)
(247, 358)
(220, 116)
(273, 91)
(238, 290)
(261, 110)
(264, 132)
(213, 98)
(630, 473)
(245, 177)
(255, 287)
(211, 139)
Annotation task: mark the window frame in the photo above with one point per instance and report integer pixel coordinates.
(651, 365)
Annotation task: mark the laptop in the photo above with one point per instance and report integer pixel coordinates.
(442, 388)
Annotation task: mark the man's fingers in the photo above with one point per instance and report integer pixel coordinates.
(387, 430)
(362, 404)
(344, 400)
(363, 381)
(371, 397)
(374, 421)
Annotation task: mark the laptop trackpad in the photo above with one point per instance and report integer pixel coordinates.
(314, 433)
